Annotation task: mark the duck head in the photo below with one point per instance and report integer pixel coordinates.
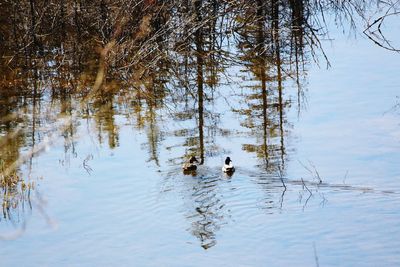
(227, 160)
(193, 160)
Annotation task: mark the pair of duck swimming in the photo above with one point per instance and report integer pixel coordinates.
(191, 165)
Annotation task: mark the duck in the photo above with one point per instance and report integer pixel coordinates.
(190, 165)
(228, 166)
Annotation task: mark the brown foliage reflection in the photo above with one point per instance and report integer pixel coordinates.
(82, 59)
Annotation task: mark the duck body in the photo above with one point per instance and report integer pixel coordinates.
(228, 166)
(191, 165)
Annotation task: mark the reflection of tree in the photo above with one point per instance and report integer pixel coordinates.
(208, 211)
(177, 49)
(12, 138)
(14, 190)
(117, 36)
(143, 55)
(153, 101)
(15, 196)
(198, 74)
(261, 53)
(105, 121)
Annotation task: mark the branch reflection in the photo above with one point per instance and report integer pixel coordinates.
(165, 67)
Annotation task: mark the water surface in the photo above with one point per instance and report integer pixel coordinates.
(316, 154)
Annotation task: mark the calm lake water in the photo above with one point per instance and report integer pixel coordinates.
(320, 186)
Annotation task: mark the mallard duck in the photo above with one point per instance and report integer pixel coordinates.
(190, 165)
(228, 166)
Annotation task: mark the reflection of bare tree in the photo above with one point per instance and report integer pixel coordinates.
(15, 191)
(265, 113)
(51, 46)
(154, 135)
(66, 109)
(198, 74)
(199, 58)
(28, 129)
(208, 212)
(143, 55)
(374, 28)
(104, 116)
(15, 197)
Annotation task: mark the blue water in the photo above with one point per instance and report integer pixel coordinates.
(124, 209)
